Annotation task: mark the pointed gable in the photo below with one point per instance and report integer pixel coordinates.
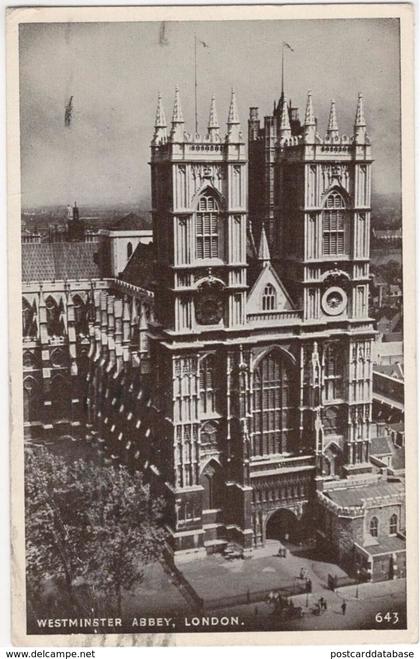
(268, 293)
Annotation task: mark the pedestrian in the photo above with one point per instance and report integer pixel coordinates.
(343, 608)
(302, 573)
(325, 605)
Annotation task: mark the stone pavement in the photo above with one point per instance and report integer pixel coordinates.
(216, 577)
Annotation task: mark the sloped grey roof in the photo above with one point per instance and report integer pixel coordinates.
(66, 260)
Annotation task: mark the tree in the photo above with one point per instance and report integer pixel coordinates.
(88, 523)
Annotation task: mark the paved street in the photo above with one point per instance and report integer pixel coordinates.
(360, 611)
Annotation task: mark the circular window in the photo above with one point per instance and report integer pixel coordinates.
(334, 301)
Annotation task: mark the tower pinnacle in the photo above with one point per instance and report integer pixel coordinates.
(233, 117)
(309, 112)
(213, 125)
(285, 130)
(160, 122)
(177, 130)
(263, 249)
(360, 115)
(233, 124)
(309, 123)
(360, 122)
(332, 130)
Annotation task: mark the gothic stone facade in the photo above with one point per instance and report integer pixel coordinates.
(243, 383)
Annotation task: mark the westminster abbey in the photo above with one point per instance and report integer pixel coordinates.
(230, 359)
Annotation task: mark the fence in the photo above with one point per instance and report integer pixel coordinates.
(287, 590)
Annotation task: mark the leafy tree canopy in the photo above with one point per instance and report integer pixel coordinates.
(89, 523)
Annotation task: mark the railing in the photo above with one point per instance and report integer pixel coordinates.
(57, 340)
(274, 316)
(305, 461)
(287, 590)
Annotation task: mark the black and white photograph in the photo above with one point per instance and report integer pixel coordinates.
(213, 268)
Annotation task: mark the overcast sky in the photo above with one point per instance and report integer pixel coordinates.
(115, 70)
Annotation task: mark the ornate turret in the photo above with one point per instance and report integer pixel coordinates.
(285, 130)
(234, 133)
(309, 126)
(332, 130)
(360, 122)
(160, 133)
(213, 125)
(177, 130)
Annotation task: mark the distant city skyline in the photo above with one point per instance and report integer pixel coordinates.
(114, 72)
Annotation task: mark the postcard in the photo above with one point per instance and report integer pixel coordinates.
(212, 324)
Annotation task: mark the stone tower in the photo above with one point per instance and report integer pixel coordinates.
(199, 190)
(322, 220)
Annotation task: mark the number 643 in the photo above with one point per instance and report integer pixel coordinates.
(389, 616)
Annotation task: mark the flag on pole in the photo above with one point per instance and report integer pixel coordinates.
(68, 112)
(288, 46)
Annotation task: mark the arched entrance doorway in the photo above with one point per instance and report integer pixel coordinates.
(283, 525)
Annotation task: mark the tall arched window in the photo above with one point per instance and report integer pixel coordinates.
(272, 406)
(373, 527)
(129, 249)
(31, 400)
(80, 315)
(333, 378)
(269, 298)
(212, 481)
(334, 225)
(29, 319)
(393, 524)
(208, 384)
(207, 228)
(55, 324)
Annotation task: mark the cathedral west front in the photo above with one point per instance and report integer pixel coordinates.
(231, 359)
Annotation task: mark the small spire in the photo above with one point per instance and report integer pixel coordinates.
(233, 117)
(213, 121)
(177, 117)
(360, 122)
(177, 129)
(263, 249)
(234, 133)
(213, 125)
(309, 113)
(160, 121)
(285, 130)
(360, 115)
(160, 133)
(309, 123)
(332, 130)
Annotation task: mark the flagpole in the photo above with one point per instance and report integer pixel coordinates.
(282, 71)
(195, 82)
